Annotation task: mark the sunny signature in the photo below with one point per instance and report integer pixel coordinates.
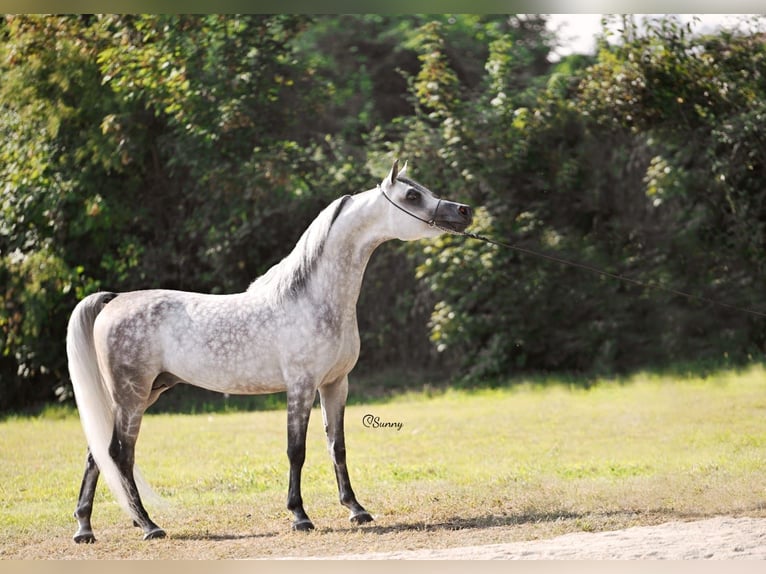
(374, 422)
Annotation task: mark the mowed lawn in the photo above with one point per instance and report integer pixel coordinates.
(463, 468)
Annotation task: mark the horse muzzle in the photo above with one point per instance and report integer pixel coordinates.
(453, 216)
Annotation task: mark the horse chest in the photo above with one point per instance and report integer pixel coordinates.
(328, 342)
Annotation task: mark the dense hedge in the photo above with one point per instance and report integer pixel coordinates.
(189, 152)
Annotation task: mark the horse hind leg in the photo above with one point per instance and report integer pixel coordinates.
(84, 508)
(122, 450)
(333, 399)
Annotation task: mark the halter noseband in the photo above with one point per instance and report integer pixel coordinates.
(430, 222)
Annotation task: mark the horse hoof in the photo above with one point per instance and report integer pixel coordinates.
(303, 525)
(361, 518)
(84, 537)
(155, 534)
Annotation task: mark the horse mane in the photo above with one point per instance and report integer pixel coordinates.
(290, 276)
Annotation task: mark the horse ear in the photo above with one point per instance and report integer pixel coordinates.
(403, 171)
(394, 172)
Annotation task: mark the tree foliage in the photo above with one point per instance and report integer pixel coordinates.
(644, 162)
(189, 152)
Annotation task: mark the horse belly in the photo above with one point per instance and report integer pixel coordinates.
(234, 369)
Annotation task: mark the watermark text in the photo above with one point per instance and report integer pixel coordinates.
(374, 422)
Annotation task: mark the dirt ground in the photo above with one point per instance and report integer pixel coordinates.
(740, 536)
(720, 538)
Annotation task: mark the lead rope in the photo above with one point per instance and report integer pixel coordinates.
(576, 264)
(617, 276)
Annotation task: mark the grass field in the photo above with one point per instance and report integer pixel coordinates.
(465, 468)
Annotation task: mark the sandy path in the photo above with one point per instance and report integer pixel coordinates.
(720, 538)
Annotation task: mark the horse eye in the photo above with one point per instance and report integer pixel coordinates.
(412, 195)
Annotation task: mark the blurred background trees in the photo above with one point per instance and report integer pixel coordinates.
(190, 152)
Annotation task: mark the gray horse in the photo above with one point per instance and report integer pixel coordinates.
(294, 330)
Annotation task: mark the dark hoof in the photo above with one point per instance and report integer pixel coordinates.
(304, 525)
(155, 534)
(361, 518)
(84, 537)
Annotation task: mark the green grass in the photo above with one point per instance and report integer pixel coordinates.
(466, 467)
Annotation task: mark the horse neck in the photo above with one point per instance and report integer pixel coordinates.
(353, 238)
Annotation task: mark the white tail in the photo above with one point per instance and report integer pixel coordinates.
(94, 402)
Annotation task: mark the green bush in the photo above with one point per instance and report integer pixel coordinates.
(190, 152)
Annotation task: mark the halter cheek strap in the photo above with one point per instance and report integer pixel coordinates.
(430, 222)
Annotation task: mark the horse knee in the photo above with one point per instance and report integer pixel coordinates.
(296, 453)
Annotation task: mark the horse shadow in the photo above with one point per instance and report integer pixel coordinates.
(450, 524)
(466, 523)
(223, 537)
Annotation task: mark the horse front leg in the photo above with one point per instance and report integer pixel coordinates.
(333, 397)
(299, 403)
(84, 508)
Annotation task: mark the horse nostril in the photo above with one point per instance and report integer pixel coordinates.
(465, 211)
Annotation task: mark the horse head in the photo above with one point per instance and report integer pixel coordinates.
(416, 212)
